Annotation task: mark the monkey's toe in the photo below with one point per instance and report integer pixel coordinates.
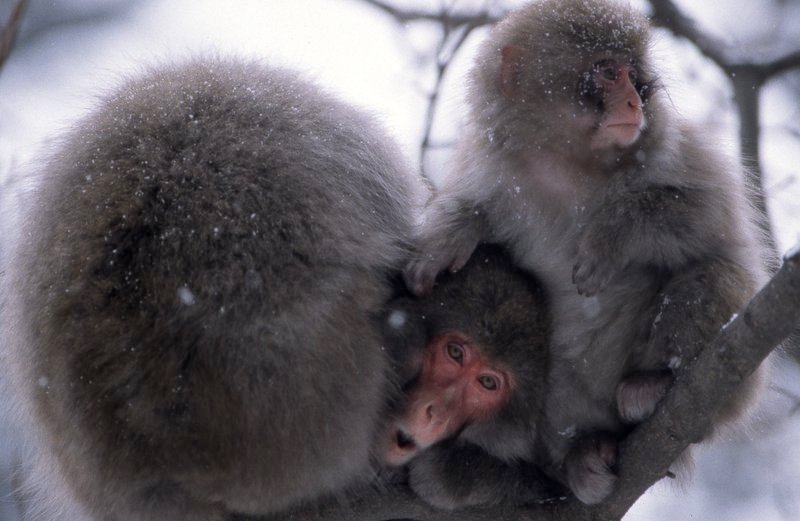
(589, 470)
(639, 395)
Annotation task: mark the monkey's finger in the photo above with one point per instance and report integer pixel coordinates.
(419, 278)
(582, 277)
(588, 467)
(458, 263)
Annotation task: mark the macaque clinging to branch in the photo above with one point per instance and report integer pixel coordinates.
(637, 225)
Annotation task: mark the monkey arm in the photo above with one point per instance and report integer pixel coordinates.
(456, 475)
(663, 226)
(694, 305)
(451, 230)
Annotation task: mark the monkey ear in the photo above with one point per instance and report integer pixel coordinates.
(511, 69)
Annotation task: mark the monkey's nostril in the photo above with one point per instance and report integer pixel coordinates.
(404, 441)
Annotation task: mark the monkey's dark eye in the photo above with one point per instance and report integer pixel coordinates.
(488, 382)
(455, 351)
(607, 70)
(609, 73)
(645, 90)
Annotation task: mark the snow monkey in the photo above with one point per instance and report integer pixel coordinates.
(194, 306)
(477, 388)
(637, 225)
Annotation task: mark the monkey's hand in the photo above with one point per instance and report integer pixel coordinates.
(451, 253)
(588, 468)
(595, 265)
(430, 479)
(454, 475)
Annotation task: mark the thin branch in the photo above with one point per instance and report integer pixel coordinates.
(748, 77)
(667, 15)
(9, 33)
(788, 62)
(442, 65)
(646, 455)
(411, 15)
(452, 23)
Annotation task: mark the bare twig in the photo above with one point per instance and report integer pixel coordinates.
(456, 28)
(666, 14)
(9, 31)
(412, 15)
(442, 64)
(788, 62)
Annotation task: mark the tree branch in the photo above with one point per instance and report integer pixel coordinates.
(667, 15)
(748, 77)
(442, 64)
(405, 15)
(9, 31)
(646, 455)
(685, 415)
(788, 62)
(456, 27)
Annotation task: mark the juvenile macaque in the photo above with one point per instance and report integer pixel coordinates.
(192, 310)
(479, 385)
(639, 229)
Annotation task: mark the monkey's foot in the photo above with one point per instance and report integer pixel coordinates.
(639, 394)
(591, 276)
(589, 469)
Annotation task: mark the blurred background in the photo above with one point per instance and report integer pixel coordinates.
(725, 63)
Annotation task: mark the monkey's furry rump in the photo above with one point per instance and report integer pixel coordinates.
(192, 305)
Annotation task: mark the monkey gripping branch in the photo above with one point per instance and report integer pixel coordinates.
(645, 456)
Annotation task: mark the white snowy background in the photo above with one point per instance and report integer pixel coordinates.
(54, 76)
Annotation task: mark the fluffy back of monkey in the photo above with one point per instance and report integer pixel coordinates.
(190, 310)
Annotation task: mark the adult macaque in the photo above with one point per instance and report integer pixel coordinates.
(638, 227)
(192, 311)
(479, 384)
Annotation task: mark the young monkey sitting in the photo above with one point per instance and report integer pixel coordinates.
(636, 224)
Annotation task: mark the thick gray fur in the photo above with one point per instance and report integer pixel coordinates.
(644, 252)
(505, 313)
(192, 308)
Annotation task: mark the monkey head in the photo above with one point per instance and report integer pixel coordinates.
(481, 373)
(568, 77)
